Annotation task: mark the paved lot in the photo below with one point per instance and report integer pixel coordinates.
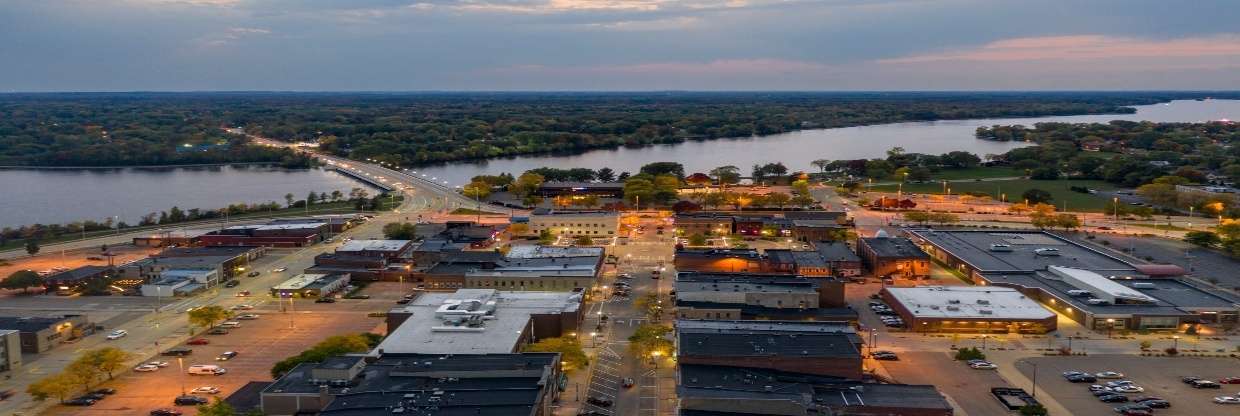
(969, 389)
(1159, 376)
(72, 259)
(260, 344)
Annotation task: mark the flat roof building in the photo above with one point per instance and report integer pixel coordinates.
(1094, 288)
(575, 223)
(480, 321)
(377, 248)
(523, 384)
(888, 256)
(10, 350)
(732, 296)
(968, 309)
(841, 259)
(39, 334)
(706, 390)
(309, 285)
(820, 348)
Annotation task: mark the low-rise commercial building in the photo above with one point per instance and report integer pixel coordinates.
(336, 223)
(1096, 289)
(706, 390)
(723, 261)
(830, 349)
(39, 334)
(574, 223)
(182, 238)
(180, 282)
(268, 235)
(310, 285)
(73, 280)
(384, 249)
(756, 296)
(887, 256)
(979, 309)
(703, 223)
(581, 189)
(841, 259)
(524, 384)
(480, 321)
(10, 350)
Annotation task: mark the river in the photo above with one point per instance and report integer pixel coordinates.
(58, 196)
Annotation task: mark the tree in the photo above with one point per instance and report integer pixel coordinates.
(637, 189)
(107, 359)
(526, 184)
(32, 246)
(476, 190)
(1199, 238)
(1160, 194)
(217, 407)
(662, 168)
(22, 279)
(697, 240)
(329, 347)
(545, 237)
(583, 240)
(919, 217)
(800, 187)
(57, 385)
(1044, 174)
(803, 201)
(571, 354)
(1033, 410)
(715, 199)
(83, 372)
(650, 338)
(778, 199)
(919, 174)
(1035, 195)
(605, 175)
(965, 354)
(944, 218)
(726, 175)
(1067, 221)
(336, 195)
(649, 305)
(207, 316)
(400, 231)
(312, 198)
(821, 164)
(288, 199)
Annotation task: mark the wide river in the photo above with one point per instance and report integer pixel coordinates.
(58, 196)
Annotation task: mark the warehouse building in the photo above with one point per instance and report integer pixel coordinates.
(707, 390)
(830, 349)
(1094, 288)
(759, 297)
(39, 334)
(480, 321)
(310, 285)
(980, 309)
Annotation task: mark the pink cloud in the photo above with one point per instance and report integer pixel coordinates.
(716, 68)
(1085, 47)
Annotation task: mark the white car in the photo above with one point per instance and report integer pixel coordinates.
(146, 368)
(205, 390)
(983, 366)
(248, 316)
(280, 269)
(160, 364)
(118, 334)
(1227, 400)
(242, 307)
(1120, 383)
(1109, 374)
(1128, 389)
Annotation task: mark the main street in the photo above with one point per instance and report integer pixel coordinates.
(155, 327)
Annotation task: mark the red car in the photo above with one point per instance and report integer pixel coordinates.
(198, 341)
(1229, 380)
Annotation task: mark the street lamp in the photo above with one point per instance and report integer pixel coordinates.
(1176, 345)
(1035, 377)
(181, 366)
(1110, 325)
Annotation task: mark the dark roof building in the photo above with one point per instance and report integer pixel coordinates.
(893, 257)
(820, 348)
(433, 385)
(76, 277)
(706, 390)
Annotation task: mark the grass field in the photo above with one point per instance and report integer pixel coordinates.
(1014, 188)
(978, 173)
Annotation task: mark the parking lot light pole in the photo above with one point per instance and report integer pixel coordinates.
(181, 365)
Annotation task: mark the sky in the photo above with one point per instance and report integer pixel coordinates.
(622, 45)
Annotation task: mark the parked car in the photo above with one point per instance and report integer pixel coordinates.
(983, 366)
(105, 391)
(188, 400)
(1109, 374)
(1114, 398)
(1229, 380)
(253, 273)
(160, 364)
(1205, 384)
(325, 300)
(218, 331)
(232, 283)
(242, 307)
(166, 412)
(599, 401)
(1128, 389)
(243, 294)
(1189, 379)
(177, 352)
(1083, 378)
(1227, 400)
(226, 355)
(198, 341)
(280, 269)
(248, 316)
(628, 382)
(1155, 404)
(885, 356)
(145, 368)
(117, 334)
(205, 390)
(80, 401)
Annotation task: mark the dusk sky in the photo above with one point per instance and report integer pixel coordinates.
(404, 45)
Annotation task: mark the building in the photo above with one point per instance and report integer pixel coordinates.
(180, 282)
(759, 297)
(268, 235)
(1096, 289)
(703, 223)
(830, 349)
(538, 274)
(980, 309)
(336, 223)
(384, 249)
(310, 285)
(477, 236)
(369, 260)
(73, 280)
(39, 334)
(232, 260)
(10, 350)
(841, 259)
(181, 237)
(723, 261)
(706, 390)
(480, 321)
(574, 223)
(887, 256)
(429, 385)
(581, 189)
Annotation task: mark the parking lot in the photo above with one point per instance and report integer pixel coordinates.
(1159, 376)
(968, 388)
(259, 343)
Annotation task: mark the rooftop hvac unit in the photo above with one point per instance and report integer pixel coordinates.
(953, 308)
(954, 301)
(983, 302)
(985, 311)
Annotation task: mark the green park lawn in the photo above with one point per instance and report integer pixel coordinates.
(977, 173)
(1014, 188)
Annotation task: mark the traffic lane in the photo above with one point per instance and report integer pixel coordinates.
(1160, 377)
(967, 387)
(259, 343)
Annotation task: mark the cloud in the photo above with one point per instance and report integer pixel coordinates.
(1085, 48)
(711, 68)
(230, 36)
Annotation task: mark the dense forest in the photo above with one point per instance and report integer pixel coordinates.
(1151, 150)
(408, 129)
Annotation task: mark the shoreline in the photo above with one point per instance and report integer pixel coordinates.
(196, 165)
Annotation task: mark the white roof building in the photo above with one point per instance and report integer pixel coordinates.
(968, 302)
(472, 321)
(1099, 286)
